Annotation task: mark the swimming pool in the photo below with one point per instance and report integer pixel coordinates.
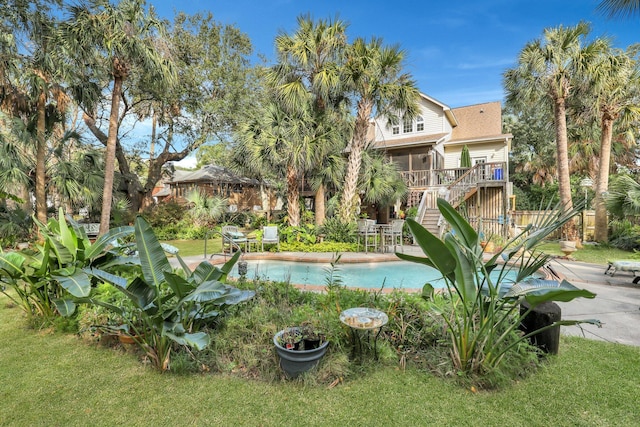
(372, 275)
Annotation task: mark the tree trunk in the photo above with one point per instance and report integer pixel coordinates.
(602, 185)
(349, 203)
(110, 156)
(320, 206)
(293, 197)
(41, 145)
(564, 183)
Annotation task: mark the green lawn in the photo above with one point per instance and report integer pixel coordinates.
(56, 379)
(594, 254)
(196, 247)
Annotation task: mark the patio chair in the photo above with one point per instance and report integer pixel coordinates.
(270, 236)
(624, 265)
(232, 238)
(367, 231)
(392, 236)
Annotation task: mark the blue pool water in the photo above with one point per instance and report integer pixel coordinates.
(391, 274)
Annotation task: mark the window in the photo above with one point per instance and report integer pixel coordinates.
(395, 129)
(419, 124)
(407, 126)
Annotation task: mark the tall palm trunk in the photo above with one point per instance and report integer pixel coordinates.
(40, 185)
(293, 197)
(349, 203)
(319, 205)
(602, 185)
(110, 156)
(564, 183)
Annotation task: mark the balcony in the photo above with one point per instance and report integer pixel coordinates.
(482, 173)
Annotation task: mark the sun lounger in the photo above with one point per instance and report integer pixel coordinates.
(632, 266)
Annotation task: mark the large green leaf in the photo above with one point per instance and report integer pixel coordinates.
(464, 272)
(207, 292)
(65, 307)
(78, 284)
(178, 284)
(62, 254)
(462, 228)
(416, 259)
(434, 248)
(118, 281)
(106, 239)
(198, 340)
(11, 263)
(205, 271)
(67, 237)
(142, 294)
(537, 291)
(153, 260)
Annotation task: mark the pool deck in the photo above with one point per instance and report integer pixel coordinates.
(617, 304)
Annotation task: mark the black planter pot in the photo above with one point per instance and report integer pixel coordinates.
(295, 362)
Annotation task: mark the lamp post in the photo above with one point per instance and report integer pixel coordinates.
(586, 183)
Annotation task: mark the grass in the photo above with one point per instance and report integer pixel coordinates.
(196, 247)
(56, 379)
(594, 254)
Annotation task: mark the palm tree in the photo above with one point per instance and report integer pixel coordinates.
(308, 76)
(547, 71)
(114, 39)
(373, 73)
(30, 85)
(283, 143)
(205, 210)
(619, 8)
(615, 83)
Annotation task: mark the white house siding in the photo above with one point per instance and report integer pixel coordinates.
(434, 123)
(493, 152)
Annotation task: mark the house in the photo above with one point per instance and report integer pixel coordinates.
(427, 151)
(243, 194)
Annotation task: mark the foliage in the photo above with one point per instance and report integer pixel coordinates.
(167, 308)
(205, 210)
(303, 233)
(318, 247)
(337, 231)
(623, 199)
(485, 312)
(625, 235)
(164, 214)
(59, 267)
(15, 227)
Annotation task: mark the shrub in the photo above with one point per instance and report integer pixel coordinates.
(338, 231)
(625, 235)
(482, 322)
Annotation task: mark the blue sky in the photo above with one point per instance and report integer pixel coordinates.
(456, 50)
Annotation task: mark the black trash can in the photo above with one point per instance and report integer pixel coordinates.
(541, 316)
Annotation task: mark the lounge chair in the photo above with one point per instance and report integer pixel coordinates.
(624, 265)
(232, 238)
(270, 236)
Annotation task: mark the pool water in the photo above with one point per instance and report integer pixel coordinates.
(391, 274)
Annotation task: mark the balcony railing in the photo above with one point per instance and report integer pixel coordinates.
(480, 173)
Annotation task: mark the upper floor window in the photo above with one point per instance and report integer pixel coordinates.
(407, 126)
(419, 124)
(395, 129)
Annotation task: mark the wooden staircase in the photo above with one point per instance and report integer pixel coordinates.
(430, 220)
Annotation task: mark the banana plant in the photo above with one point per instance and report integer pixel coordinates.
(44, 278)
(167, 308)
(486, 307)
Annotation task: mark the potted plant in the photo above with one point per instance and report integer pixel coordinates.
(294, 362)
(312, 336)
(291, 339)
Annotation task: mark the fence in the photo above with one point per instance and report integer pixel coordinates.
(586, 222)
